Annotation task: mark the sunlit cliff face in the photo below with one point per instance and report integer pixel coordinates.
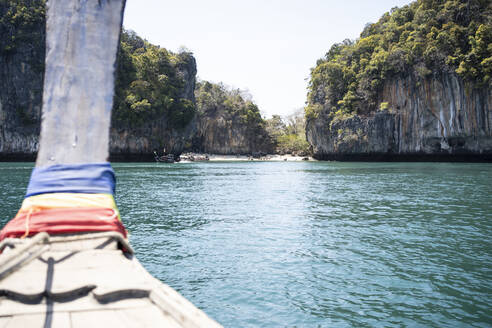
(442, 116)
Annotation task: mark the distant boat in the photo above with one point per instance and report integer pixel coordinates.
(169, 158)
(65, 258)
(190, 157)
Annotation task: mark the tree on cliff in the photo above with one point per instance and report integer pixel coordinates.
(211, 97)
(423, 38)
(149, 83)
(289, 133)
(20, 22)
(236, 108)
(154, 88)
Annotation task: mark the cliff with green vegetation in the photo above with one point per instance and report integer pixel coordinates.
(22, 50)
(154, 104)
(229, 122)
(416, 85)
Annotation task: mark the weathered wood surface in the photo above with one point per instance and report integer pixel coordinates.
(81, 43)
(74, 281)
(89, 285)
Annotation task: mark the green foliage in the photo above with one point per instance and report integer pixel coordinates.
(289, 134)
(233, 104)
(478, 62)
(292, 143)
(424, 37)
(20, 22)
(236, 110)
(276, 127)
(312, 111)
(150, 83)
(383, 106)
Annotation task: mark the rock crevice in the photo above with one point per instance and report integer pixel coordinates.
(439, 117)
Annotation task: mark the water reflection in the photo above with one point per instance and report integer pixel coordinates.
(383, 246)
(311, 244)
(14, 178)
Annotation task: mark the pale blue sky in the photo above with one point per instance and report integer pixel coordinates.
(266, 47)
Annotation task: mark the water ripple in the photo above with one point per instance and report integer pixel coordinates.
(311, 244)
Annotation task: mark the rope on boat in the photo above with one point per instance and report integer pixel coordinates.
(18, 258)
(27, 224)
(86, 236)
(22, 254)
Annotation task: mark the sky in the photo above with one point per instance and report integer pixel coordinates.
(266, 47)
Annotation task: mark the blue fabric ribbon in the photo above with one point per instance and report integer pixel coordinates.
(91, 178)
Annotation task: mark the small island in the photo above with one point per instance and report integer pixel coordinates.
(416, 85)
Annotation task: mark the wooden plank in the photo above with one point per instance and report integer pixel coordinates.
(89, 259)
(87, 303)
(115, 279)
(11, 308)
(95, 319)
(110, 272)
(149, 317)
(29, 320)
(88, 244)
(85, 268)
(26, 282)
(60, 319)
(4, 321)
(78, 96)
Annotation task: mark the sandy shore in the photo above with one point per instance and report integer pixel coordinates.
(240, 158)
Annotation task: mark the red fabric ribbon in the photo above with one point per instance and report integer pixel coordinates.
(62, 221)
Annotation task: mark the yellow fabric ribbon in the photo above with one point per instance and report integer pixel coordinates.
(69, 200)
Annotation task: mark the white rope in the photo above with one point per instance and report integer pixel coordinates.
(18, 256)
(21, 253)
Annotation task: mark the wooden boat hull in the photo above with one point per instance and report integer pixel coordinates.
(89, 278)
(86, 280)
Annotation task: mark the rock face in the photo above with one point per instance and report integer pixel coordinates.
(228, 122)
(21, 85)
(21, 89)
(138, 143)
(237, 130)
(438, 118)
(221, 133)
(20, 114)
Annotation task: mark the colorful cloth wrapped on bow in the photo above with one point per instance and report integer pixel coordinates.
(63, 199)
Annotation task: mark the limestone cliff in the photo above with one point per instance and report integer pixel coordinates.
(130, 141)
(440, 117)
(228, 123)
(134, 133)
(417, 84)
(154, 104)
(22, 52)
(220, 133)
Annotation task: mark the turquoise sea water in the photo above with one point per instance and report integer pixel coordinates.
(317, 244)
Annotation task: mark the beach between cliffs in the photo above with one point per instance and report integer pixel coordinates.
(241, 158)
